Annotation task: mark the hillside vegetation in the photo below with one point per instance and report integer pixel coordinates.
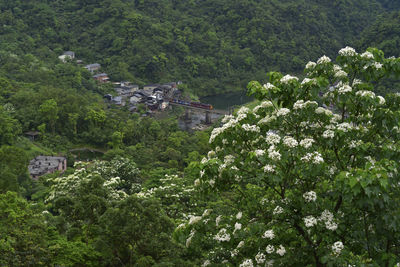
(213, 46)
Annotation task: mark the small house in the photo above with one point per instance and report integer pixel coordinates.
(93, 67)
(42, 165)
(68, 55)
(102, 77)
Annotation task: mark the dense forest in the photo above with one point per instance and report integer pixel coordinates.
(305, 175)
(213, 46)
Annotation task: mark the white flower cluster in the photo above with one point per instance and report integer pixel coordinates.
(290, 142)
(310, 221)
(247, 263)
(288, 78)
(259, 152)
(328, 219)
(281, 250)
(340, 74)
(328, 134)
(345, 88)
(337, 247)
(347, 51)
(260, 258)
(251, 128)
(314, 157)
(323, 60)
(269, 168)
(310, 196)
(194, 219)
(381, 100)
(267, 119)
(344, 127)
(321, 110)
(309, 81)
(264, 104)
(222, 236)
(307, 142)
(270, 249)
(269, 86)
(310, 65)
(367, 55)
(269, 234)
(300, 104)
(364, 93)
(282, 112)
(274, 154)
(272, 138)
(277, 210)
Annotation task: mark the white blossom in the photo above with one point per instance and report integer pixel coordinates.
(269, 86)
(323, 60)
(314, 157)
(269, 168)
(344, 89)
(222, 236)
(290, 141)
(341, 74)
(310, 196)
(381, 99)
(310, 65)
(247, 263)
(367, 55)
(278, 210)
(194, 219)
(307, 142)
(281, 250)
(288, 78)
(347, 51)
(251, 128)
(272, 138)
(259, 152)
(328, 134)
(270, 249)
(260, 258)
(282, 112)
(364, 93)
(239, 215)
(218, 220)
(269, 234)
(337, 247)
(310, 221)
(274, 154)
(378, 65)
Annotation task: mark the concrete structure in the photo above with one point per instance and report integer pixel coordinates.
(46, 164)
(68, 55)
(102, 77)
(93, 67)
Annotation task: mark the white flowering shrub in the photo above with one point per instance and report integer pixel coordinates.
(175, 195)
(313, 170)
(86, 176)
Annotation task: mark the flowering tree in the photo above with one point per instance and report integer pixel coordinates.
(312, 171)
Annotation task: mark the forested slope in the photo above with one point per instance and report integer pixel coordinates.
(213, 46)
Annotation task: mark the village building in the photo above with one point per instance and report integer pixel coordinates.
(68, 55)
(102, 77)
(93, 67)
(42, 165)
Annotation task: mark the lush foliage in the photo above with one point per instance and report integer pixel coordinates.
(313, 170)
(213, 46)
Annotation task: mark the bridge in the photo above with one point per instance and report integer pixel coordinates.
(208, 112)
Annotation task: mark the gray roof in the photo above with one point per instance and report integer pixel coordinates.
(69, 53)
(100, 75)
(41, 164)
(91, 66)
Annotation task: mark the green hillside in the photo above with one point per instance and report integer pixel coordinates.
(213, 46)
